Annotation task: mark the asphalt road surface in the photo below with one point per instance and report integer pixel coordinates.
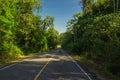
(52, 65)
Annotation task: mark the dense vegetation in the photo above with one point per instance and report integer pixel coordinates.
(95, 33)
(22, 31)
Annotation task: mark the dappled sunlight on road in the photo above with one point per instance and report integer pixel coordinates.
(51, 65)
(60, 66)
(45, 57)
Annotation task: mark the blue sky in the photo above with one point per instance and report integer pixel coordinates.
(61, 10)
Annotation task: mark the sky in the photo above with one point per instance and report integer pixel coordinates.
(61, 10)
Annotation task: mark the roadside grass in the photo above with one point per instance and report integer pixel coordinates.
(7, 60)
(99, 71)
(101, 74)
(10, 60)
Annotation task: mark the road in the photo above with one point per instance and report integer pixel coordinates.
(52, 65)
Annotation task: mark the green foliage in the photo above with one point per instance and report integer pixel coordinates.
(52, 37)
(87, 7)
(15, 52)
(6, 26)
(103, 6)
(96, 34)
(23, 32)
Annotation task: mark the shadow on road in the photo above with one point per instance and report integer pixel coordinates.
(60, 67)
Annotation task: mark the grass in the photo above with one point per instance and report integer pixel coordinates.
(98, 70)
(101, 73)
(13, 60)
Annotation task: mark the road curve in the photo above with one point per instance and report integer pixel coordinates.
(52, 65)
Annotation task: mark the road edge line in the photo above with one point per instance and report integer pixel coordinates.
(80, 68)
(10, 65)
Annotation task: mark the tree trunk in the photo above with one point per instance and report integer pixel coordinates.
(117, 4)
(114, 5)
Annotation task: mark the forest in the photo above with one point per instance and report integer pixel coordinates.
(95, 34)
(22, 31)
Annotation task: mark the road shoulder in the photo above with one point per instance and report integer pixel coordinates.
(14, 61)
(90, 68)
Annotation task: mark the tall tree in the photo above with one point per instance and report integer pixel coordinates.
(87, 7)
(52, 38)
(6, 25)
(25, 21)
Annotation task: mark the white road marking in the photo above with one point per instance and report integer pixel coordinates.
(80, 68)
(68, 56)
(10, 65)
(78, 65)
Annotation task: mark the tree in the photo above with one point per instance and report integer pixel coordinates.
(25, 25)
(87, 7)
(22, 31)
(6, 25)
(52, 38)
(116, 5)
(48, 22)
(96, 34)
